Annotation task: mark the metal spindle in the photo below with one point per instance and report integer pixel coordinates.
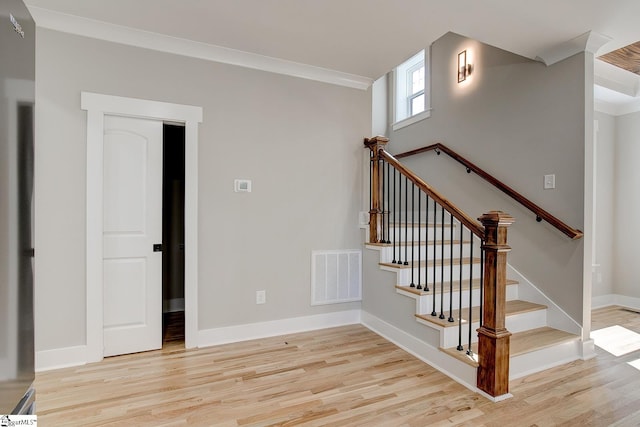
(388, 203)
(435, 287)
(442, 265)
(395, 226)
(426, 243)
(398, 224)
(419, 223)
(469, 351)
(406, 221)
(382, 179)
(450, 319)
(413, 238)
(460, 347)
(370, 181)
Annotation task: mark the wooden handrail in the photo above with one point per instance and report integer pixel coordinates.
(473, 225)
(540, 213)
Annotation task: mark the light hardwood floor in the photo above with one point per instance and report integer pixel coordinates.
(336, 377)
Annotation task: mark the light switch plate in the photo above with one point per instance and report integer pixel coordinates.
(261, 297)
(549, 182)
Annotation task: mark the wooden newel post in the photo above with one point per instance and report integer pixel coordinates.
(493, 337)
(375, 144)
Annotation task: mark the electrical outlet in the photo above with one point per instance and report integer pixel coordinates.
(549, 182)
(261, 297)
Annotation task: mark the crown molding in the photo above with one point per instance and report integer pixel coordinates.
(616, 110)
(618, 80)
(615, 78)
(590, 41)
(52, 20)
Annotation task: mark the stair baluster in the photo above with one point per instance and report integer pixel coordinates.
(399, 222)
(406, 221)
(435, 249)
(383, 176)
(419, 286)
(413, 237)
(426, 242)
(442, 264)
(460, 347)
(470, 310)
(451, 319)
(396, 244)
(371, 197)
(388, 205)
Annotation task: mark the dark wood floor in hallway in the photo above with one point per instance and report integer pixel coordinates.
(334, 377)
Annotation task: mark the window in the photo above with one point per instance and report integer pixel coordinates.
(411, 95)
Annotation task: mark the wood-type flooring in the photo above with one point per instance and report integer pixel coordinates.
(346, 376)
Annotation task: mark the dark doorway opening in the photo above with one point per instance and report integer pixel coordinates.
(173, 235)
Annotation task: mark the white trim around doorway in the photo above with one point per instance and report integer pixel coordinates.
(97, 105)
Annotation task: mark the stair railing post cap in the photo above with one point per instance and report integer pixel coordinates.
(376, 140)
(497, 218)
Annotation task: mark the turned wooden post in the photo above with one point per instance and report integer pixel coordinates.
(375, 214)
(493, 337)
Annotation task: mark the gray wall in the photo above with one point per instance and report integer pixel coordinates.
(518, 120)
(627, 205)
(300, 142)
(603, 282)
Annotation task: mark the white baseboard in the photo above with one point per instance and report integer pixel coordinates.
(615, 299)
(47, 360)
(173, 305)
(75, 356)
(602, 301)
(588, 349)
(252, 331)
(427, 353)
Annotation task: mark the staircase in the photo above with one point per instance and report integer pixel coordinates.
(535, 345)
(440, 258)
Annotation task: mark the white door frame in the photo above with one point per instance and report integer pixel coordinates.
(97, 105)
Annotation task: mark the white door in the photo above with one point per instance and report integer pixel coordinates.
(132, 225)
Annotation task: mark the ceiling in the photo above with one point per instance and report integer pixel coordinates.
(365, 37)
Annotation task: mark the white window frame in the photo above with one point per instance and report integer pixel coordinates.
(411, 96)
(402, 88)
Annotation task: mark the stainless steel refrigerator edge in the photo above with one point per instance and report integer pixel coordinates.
(17, 86)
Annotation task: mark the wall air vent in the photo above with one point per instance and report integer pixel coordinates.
(336, 276)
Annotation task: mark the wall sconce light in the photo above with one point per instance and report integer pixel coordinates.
(464, 69)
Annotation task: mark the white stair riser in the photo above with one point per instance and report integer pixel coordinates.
(424, 275)
(402, 234)
(524, 321)
(514, 323)
(424, 303)
(389, 254)
(544, 358)
(400, 215)
(449, 337)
